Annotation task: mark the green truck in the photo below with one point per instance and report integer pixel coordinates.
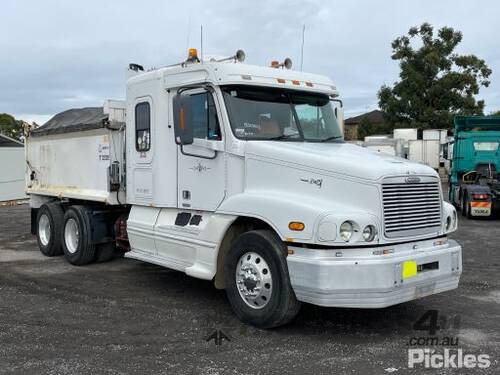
(475, 166)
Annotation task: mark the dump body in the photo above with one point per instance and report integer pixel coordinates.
(79, 157)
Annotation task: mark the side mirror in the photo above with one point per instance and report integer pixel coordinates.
(183, 128)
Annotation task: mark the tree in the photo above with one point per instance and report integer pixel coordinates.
(367, 128)
(11, 127)
(435, 82)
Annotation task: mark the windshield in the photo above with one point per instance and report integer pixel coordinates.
(276, 114)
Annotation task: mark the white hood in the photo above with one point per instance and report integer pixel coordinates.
(342, 158)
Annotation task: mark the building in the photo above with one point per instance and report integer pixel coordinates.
(12, 169)
(351, 124)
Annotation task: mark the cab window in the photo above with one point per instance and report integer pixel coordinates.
(204, 117)
(143, 127)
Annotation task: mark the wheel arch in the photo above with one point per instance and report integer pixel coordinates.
(239, 226)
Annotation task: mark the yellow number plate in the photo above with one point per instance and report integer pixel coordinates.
(409, 269)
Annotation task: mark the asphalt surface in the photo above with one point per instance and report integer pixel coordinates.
(125, 317)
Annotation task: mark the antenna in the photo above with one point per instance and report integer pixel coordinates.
(188, 32)
(302, 47)
(201, 43)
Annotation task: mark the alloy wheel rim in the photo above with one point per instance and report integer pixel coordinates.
(44, 229)
(253, 280)
(71, 235)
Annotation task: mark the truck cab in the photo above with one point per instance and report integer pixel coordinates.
(474, 174)
(239, 174)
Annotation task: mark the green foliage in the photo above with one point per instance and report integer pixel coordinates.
(10, 127)
(435, 82)
(366, 128)
(495, 113)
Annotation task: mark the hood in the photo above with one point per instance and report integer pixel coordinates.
(341, 158)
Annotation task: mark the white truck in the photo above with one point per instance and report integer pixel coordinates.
(239, 174)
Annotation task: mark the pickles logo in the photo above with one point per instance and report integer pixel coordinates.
(436, 351)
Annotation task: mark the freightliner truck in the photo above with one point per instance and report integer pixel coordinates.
(474, 174)
(239, 174)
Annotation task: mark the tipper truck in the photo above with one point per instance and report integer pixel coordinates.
(239, 174)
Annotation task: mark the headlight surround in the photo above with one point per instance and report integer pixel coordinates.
(369, 233)
(346, 230)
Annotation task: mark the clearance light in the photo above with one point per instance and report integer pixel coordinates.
(296, 226)
(383, 252)
(295, 82)
(280, 80)
(275, 64)
(440, 242)
(309, 84)
(480, 196)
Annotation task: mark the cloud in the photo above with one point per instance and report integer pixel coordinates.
(58, 54)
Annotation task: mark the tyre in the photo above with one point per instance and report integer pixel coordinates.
(77, 236)
(463, 206)
(257, 281)
(49, 222)
(467, 209)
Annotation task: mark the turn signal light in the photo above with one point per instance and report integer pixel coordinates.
(296, 226)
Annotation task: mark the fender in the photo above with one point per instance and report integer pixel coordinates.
(279, 210)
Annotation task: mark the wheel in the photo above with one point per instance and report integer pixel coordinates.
(48, 229)
(257, 281)
(77, 242)
(467, 209)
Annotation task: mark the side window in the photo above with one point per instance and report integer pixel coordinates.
(143, 127)
(204, 117)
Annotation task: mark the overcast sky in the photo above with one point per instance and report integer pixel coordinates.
(56, 55)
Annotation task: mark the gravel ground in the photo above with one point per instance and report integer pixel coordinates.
(125, 317)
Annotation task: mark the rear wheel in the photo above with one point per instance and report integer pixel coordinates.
(77, 241)
(257, 281)
(48, 229)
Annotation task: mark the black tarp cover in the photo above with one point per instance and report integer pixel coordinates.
(75, 120)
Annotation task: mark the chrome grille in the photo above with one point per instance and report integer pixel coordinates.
(411, 208)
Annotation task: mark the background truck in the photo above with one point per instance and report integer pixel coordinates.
(239, 174)
(474, 177)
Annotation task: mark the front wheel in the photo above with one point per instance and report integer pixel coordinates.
(257, 281)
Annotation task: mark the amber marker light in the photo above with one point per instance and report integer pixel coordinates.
(296, 226)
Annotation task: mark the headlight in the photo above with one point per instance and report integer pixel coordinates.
(369, 233)
(346, 230)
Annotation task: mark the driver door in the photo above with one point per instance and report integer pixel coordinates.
(201, 165)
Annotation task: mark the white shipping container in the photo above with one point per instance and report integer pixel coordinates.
(425, 152)
(406, 134)
(12, 169)
(431, 135)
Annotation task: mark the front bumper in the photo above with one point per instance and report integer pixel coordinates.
(358, 278)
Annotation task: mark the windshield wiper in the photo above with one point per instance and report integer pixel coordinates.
(283, 136)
